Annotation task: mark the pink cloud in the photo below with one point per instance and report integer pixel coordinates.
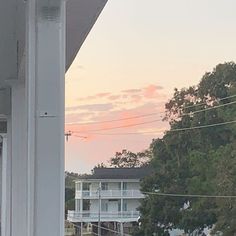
(151, 91)
(94, 97)
(132, 91)
(136, 98)
(114, 97)
(101, 95)
(92, 107)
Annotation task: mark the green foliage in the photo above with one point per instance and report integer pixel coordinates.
(70, 190)
(130, 159)
(198, 161)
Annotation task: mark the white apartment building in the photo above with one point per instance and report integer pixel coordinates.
(109, 195)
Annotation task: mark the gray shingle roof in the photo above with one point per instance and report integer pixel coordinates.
(118, 173)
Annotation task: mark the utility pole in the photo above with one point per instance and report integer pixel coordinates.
(67, 135)
(99, 210)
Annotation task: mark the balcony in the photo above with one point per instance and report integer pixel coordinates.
(107, 194)
(87, 216)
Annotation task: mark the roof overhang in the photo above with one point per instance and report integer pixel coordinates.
(81, 15)
(5, 102)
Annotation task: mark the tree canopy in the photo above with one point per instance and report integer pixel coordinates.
(198, 161)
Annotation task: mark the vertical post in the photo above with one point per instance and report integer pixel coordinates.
(122, 199)
(99, 209)
(37, 126)
(5, 187)
(81, 228)
(121, 229)
(81, 202)
(49, 121)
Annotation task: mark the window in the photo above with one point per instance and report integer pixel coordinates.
(77, 205)
(86, 186)
(104, 206)
(86, 205)
(119, 205)
(125, 206)
(125, 186)
(104, 186)
(78, 186)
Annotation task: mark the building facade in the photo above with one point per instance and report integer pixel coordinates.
(109, 195)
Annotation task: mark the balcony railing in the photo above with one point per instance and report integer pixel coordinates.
(93, 216)
(110, 194)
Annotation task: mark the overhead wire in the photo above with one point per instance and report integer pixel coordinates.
(101, 227)
(114, 120)
(111, 230)
(203, 103)
(157, 120)
(188, 195)
(144, 115)
(79, 227)
(172, 130)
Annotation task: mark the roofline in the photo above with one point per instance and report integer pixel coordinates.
(107, 180)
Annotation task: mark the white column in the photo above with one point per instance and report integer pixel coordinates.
(121, 228)
(19, 164)
(122, 199)
(5, 223)
(37, 193)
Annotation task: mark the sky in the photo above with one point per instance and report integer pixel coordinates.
(129, 65)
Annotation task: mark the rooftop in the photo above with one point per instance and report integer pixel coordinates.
(118, 173)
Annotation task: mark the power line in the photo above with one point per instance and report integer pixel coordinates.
(108, 121)
(101, 227)
(144, 115)
(111, 230)
(189, 195)
(158, 120)
(79, 136)
(122, 126)
(173, 130)
(79, 227)
(210, 108)
(203, 103)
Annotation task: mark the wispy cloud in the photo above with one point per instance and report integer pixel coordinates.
(92, 107)
(132, 91)
(93, 97)
(114, 97)
(117, 107)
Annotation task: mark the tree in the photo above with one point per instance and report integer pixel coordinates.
(197, 161)
(130, 159)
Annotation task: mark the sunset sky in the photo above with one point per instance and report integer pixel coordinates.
(136, 54)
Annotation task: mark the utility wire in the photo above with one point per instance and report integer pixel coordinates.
(203, 103)
(173, 130)
(140, 116)
(79, 136)
(157, 120)
(79, 227)
(108, 121)
(111, 230)
(209, 108)
(189, 195)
